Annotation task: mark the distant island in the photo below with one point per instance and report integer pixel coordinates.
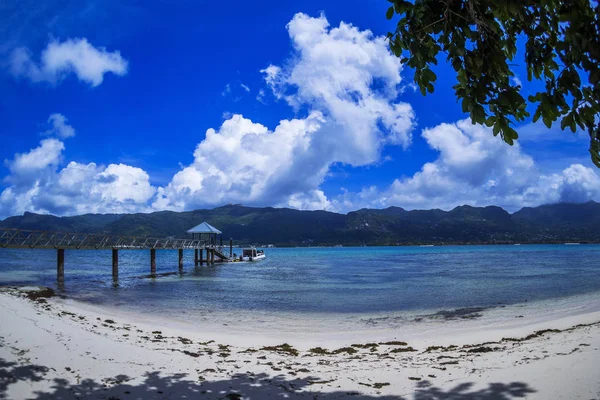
(553, 223)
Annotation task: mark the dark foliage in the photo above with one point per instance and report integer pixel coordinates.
(555, 223)
(479, 39)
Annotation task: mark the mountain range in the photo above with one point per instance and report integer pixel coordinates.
(553, 223)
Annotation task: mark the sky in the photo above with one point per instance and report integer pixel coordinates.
(141, 106)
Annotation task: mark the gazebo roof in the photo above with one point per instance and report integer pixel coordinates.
(204, 227)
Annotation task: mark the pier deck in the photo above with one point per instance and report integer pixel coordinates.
(61, 241)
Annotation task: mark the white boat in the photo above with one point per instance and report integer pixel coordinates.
(252, 254)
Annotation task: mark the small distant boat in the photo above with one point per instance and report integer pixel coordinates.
(572, 243)
(426, 245)
(252, 254)
(517, 244)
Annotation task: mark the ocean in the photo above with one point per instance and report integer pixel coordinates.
(361, 280)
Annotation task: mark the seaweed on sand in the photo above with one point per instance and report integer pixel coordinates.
(403, 350)
(282, 348)
(37, 295)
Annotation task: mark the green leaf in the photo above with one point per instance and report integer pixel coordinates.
(547, 122)
(429, 75)
(390, 13)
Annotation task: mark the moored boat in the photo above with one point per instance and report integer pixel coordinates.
(252, 254)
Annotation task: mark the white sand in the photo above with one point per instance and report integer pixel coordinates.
(63, 350)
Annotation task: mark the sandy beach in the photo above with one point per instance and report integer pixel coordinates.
(52, 348)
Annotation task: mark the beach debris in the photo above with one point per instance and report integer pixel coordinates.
(348, 350)
(442, 348)
(109, 321)
(40, 294)
(318, 350)
(414, 378)
(365, 346)
(282, 348)
(482, 349)
(208, 370)
(376, 385)
(449, 363)
(249, 350)
(403, 349)
(322, 351)
(394, 343)
(184, 340)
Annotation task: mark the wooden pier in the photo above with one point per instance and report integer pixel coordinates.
(61, 241)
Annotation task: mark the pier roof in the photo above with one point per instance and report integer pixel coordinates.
(204, 227)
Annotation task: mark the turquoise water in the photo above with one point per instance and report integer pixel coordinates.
(321, 280)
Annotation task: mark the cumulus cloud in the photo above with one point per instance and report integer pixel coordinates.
(474, 167)
(60, 127)
(37, 183)
(59, 59)
(26, 166)
(345, 80)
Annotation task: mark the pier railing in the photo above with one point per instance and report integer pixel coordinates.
(61, 241)
(32, 239)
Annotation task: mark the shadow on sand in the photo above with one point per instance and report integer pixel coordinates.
(239, 386)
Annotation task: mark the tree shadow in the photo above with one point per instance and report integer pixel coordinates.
(11, 373)
(237, 387)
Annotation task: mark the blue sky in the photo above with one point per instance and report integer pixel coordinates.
(105, 107)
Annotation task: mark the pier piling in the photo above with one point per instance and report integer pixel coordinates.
(14, 238)
(60, 265)
(115, 263)
(153, 261)
(180, 261)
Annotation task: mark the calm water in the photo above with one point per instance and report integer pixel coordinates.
(321, 280)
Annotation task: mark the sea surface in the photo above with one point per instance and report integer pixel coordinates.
(362, 280)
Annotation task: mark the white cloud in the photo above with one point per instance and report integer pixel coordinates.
(346, 80)
(272, 78)
(59, 59)
(60, 127)
(37, 183)
(226, 91)
(260, 97)
(236, 90)
(27, 165)
(474, 167)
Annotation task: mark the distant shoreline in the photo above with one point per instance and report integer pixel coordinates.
(434, 244)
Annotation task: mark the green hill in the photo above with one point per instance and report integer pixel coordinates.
(390, 226)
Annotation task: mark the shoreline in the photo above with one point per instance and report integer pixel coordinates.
(426, 327)
(83, 352)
